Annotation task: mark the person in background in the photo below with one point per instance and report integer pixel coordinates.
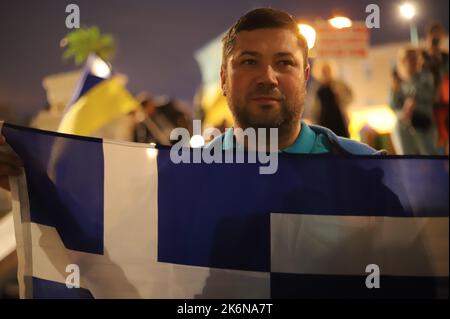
(142, 131)
(158, 120)
(436, 61)
(331, 100)
(412, 96)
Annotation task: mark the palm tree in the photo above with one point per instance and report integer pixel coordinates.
(84, 41)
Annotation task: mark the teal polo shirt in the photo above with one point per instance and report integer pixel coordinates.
(307, 142)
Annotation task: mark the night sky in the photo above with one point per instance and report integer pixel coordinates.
(156, 39)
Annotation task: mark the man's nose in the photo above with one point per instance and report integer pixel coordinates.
(267, 75)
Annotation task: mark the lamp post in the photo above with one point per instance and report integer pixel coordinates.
(408, 11)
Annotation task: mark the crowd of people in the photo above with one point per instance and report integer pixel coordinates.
(419, 97)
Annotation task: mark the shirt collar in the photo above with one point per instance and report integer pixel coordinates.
(303, 144)
(305, 141)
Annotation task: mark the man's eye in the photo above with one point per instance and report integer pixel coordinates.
(249, 62)
(286, 62)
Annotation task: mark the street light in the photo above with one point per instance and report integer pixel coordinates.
(408, 11)
(340, 22)
(309, 33)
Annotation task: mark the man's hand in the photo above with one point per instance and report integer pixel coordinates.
(9, 165)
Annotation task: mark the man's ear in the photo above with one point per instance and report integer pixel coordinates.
(307, 72)
(223, 79)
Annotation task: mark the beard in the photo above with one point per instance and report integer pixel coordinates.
(284, 116)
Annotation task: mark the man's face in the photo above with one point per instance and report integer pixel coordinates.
(264, 79)
(434, 39)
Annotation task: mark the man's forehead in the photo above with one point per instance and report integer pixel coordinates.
(270, 40)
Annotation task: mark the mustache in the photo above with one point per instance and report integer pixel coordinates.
(267, 91)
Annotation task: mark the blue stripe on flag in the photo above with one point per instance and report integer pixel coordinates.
(218, 215)
(284, 285)
(47, 289)
(205, 219)
(89, 82)
(65, 184)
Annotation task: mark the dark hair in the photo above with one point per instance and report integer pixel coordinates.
(435, 27)
(259, 19)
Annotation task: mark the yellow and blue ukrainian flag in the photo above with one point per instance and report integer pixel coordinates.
(97, 101)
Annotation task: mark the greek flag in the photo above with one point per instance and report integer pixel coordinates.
(130, 223)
